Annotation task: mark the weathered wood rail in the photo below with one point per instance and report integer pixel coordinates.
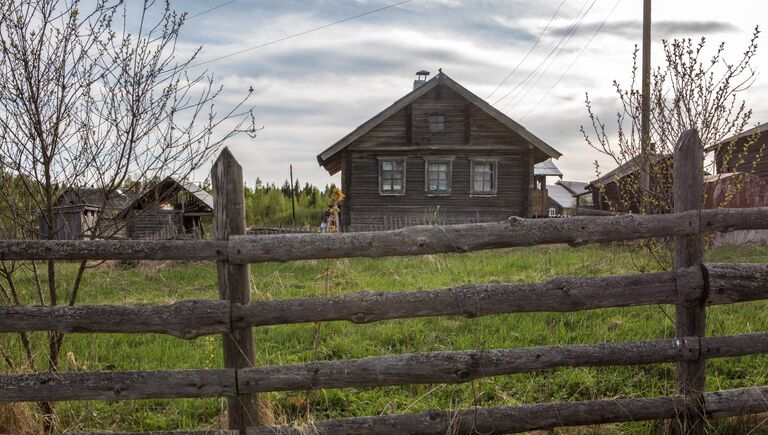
(728, 283)
(691, 286)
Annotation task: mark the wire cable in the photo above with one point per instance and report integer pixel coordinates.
(211, 9)
(295, 35)
(600, 28)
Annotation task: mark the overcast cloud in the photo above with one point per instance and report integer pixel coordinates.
(311, 90)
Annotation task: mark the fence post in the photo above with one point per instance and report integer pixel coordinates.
(689, 251)
(234, 283)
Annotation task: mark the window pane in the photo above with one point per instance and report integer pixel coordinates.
(482, 177)
(391, 174)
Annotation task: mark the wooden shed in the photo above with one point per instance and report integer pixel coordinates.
(438, 154)
(170, 209)
(78, 209)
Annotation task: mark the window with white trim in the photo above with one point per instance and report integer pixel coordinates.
(438, 175)
(483, 176)
(392, 176)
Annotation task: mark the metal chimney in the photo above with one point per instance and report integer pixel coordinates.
(421, 78)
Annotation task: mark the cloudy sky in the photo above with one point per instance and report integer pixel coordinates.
(311, 90)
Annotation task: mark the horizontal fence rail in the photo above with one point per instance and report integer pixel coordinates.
(450, 367)
(507, 419)
(426, 239)
(726, 283)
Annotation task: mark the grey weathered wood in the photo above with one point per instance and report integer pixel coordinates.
(453, 367)
(513, 232)
(559, 294)
(508, 419)
(112, 249)
(117, 385)
(186, 319)
(234, 281)
(688, 190)
(171, 432)
(729, 283)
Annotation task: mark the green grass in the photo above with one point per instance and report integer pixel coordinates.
(163, 283)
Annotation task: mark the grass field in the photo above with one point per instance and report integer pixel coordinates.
(154, 283)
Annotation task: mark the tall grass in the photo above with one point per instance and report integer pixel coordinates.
(165, 282)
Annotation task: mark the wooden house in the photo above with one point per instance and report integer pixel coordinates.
(438, 154)
(618, 190)
(77, 211)
(747, 155)
(564, 197)
(169, 209)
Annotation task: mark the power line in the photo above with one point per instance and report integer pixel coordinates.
(600, 28)
(548, 64)
(211, 9)
(557, 50)
(529, 50)
(314, 29)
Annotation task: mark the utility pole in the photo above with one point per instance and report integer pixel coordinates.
(645, 109)
(293, 194)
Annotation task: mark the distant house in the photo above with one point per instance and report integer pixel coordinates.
(744, 156)
(617, 190)
(541, 203)
(563, 199)
(78, 209)
(170, 209)
(440, 151)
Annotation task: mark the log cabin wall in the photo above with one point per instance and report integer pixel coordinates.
(752, 159)
(468, 133)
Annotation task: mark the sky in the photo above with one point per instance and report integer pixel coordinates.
(313, 89)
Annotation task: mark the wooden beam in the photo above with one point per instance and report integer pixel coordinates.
(456, 367)
(688, 191)
(432, 239)
(234, 281)
(728, 283)
(186, 319)
(169, 384)
(507, 419)
(113, 250)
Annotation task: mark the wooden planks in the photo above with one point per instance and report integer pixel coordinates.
(234, 281)
(186, 319)
(728, 283)
(113, 250)
(689, 252)
(507, 419)
(169, 384)
(513, 232)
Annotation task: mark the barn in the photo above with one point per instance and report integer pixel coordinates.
(438, 154)
(617, 190)
(747, 155)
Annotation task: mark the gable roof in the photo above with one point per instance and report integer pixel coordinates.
(630, 166)
(91, 197)
(761, 128)
(575, 187)
(440, 79)
(547, 168)
(560, 195)
(168, 187)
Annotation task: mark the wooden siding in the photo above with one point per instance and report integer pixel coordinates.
(469, 133)
(750, 159)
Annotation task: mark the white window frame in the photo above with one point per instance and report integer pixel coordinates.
(483, 160)
(438, 159)
(435, 130)
(379, 162)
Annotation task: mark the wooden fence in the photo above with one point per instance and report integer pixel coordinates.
(691, 286)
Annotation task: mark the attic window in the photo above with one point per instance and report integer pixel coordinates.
(437, 122)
